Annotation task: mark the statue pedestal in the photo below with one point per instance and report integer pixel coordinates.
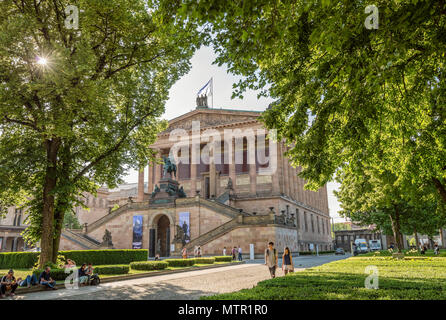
(167, 192)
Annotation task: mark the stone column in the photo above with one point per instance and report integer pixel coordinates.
(253, 173)
(293, 181)
(212, 178)
(157, 170)
(285, 172)
(141, 184)
(5, 241)
(149, 177)
(193, 180)
(232, 174)
(14, 244)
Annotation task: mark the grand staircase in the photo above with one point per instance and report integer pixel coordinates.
(81, 239)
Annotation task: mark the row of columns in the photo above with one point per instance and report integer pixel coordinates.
(15, 242)
(276, 185)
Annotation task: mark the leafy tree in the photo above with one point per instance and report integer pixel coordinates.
(343, 91)
(78, 108)
(377, 196)
(70, 220)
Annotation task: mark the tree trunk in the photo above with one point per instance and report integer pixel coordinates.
(396, 229)
(58, 225)
(440, 188)
(63, 202)
(46, 240)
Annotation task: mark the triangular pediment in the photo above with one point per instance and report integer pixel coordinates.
(211, 118)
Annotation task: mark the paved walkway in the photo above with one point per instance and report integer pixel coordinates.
(182, 286)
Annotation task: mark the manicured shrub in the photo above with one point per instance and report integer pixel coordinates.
(19, 260)
(22, 260)
(180, 262)
(210, 260)
(107, 256)
(115, 269)
(148, 265)
(223, 259)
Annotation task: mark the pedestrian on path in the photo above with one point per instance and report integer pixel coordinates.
(287, 261)
(271, 259)
(224, 251)
(233, 253)
(184, 253)
(239, 253)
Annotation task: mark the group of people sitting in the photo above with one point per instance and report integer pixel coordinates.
(9, 284)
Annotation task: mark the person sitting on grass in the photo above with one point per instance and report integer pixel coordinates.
(8, 283)
(28, 282)
(46, 280)
(83, 277)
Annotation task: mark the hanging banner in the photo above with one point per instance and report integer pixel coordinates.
(185, 225)
(137, 232)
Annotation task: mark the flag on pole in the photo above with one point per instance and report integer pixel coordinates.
(207, 89)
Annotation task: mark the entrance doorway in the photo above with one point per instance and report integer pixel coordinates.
(163, 236)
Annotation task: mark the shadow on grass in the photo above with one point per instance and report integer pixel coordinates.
(339, 286)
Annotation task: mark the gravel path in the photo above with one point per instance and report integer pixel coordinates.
(180, 286)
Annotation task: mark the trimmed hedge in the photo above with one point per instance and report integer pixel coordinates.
(116, 269)
(148, 265)
(107, 256)
(23, 260)
(18, 260)
(180, 262)
(210, 260)
(223, 259)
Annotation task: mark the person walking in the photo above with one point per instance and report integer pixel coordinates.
(271, 259)
(199, 252)
(287, 261)
(239, 253)
(233, 253)
(224, 251)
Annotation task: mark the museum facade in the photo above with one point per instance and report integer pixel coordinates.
(232, 186)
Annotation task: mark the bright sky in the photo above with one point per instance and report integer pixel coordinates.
(183, 94)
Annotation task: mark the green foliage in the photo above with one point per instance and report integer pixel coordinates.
(223, 259)
(149, 265)
(18, 260)
(96, 257)
(210, 260)
(345, 280)
(90, 114)
(114, 269)
(180, 262)
(71, 221)
(344, 94)
(107, 256)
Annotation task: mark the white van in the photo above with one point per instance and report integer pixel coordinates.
(375, 245)
(361, 245)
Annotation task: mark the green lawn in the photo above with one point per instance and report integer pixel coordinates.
(412, 278)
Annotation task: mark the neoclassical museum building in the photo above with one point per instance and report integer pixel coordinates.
(244, 193)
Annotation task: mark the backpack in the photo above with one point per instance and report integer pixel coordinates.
(94, 280)
(275, 253)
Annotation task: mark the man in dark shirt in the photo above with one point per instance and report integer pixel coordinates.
(8, 282)
(46, 280)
